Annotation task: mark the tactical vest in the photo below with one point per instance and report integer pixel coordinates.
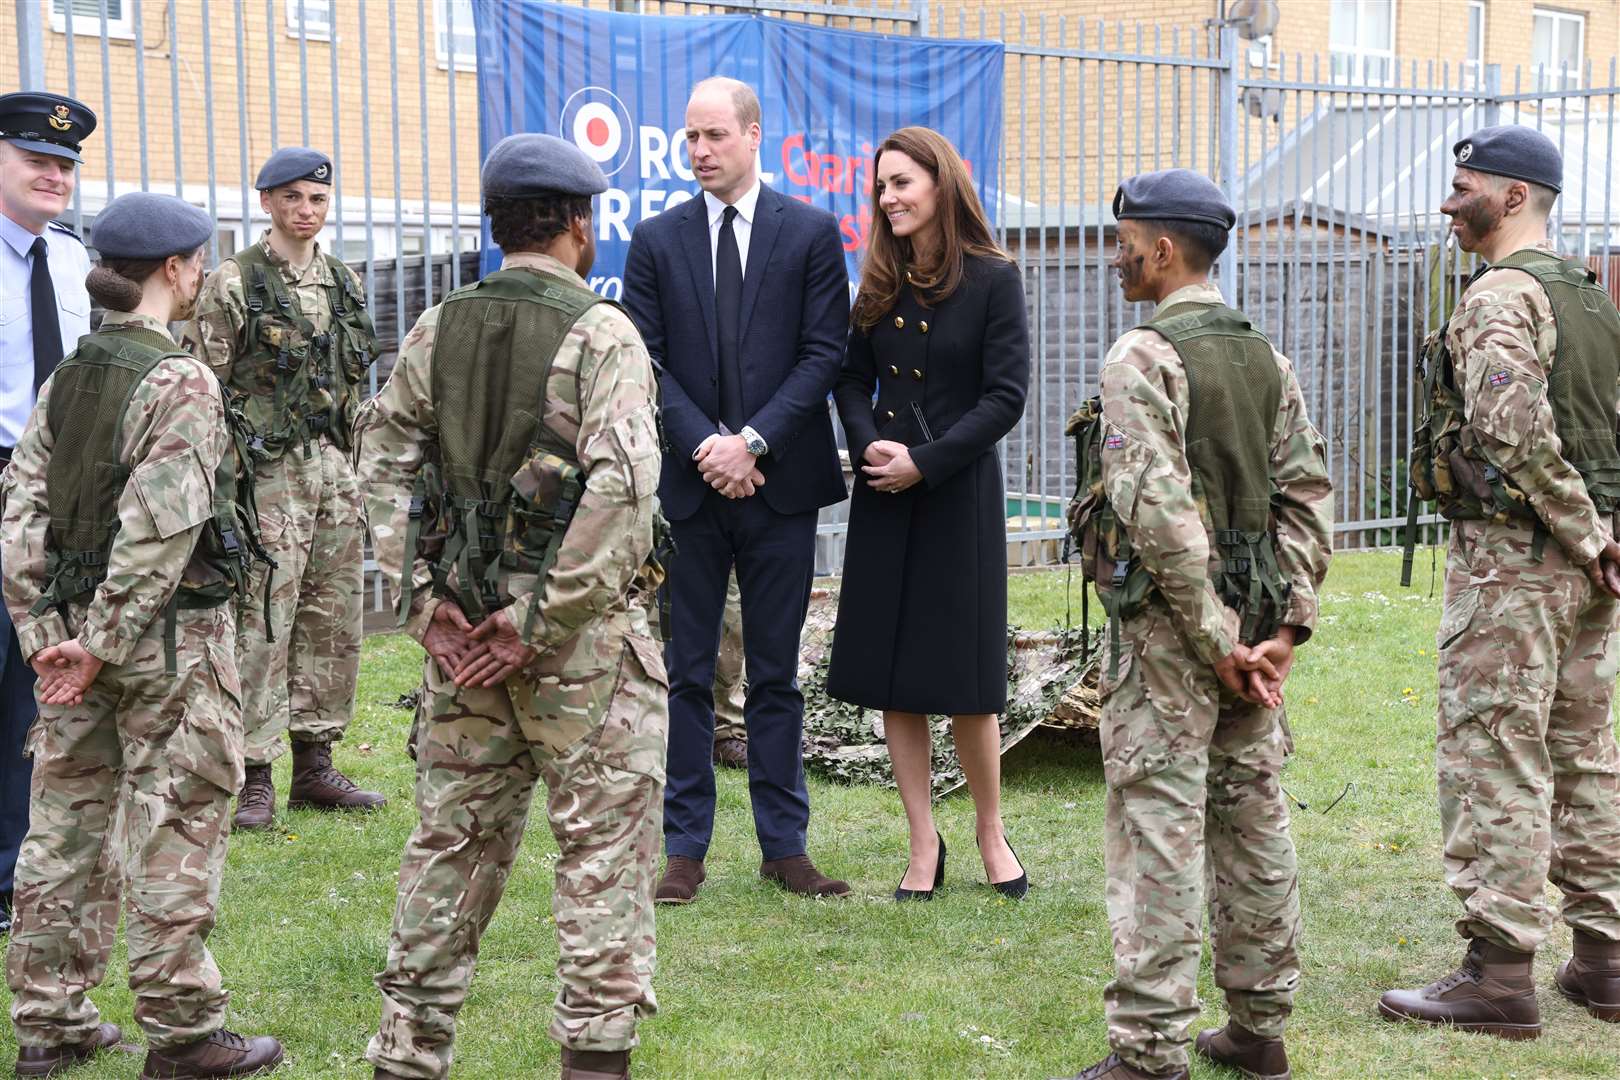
(1234, 393)
(1448, 466)
(493, 352)
(90, 393)
(292, 383)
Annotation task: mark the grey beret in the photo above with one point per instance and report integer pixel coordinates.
(146, 225)
(528, 164)
(291, 164)
(1514, 151)
(1173, 195)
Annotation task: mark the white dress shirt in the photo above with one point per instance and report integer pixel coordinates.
(70, 265)
(743, 227)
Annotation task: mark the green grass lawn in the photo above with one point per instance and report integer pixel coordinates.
(753, 983)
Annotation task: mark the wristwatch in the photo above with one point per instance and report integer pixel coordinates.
(753, 442)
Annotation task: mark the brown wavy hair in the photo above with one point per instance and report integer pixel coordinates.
(964, 230)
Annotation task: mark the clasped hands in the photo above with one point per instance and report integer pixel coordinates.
(728, 467)
(65, 672)
(474, 656)
(891, 467)
(1256, 673)
(1604, 571)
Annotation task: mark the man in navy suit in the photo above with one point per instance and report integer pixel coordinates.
(742, 297)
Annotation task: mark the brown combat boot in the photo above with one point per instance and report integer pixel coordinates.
(595, 1064)
(1493, 993)
(1238, 1048)
(224, 1053)
(731, 753)
(680, 882)
(256, 802)
(799, 875)
(1592, 976)
(50, 1060)
(1114, 1067)
(318, 785)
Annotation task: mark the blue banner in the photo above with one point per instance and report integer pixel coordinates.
(616, 85)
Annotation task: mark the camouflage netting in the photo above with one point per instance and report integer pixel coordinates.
(1047, 686)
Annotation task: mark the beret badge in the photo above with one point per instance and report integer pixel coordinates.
(1465, 153)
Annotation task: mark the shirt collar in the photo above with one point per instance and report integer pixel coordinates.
(134, 318)
(745, 205)
(1200, 293)
(315, 271)
(20, 239)
(535, 260)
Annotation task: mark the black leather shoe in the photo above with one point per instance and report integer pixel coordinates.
(1018, 886)
(939, 877)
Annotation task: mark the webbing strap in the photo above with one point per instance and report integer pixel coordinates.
(1409, 546)
(413, 537)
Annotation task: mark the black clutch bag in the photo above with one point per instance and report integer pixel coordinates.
(908, 427)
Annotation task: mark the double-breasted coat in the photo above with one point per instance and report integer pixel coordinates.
(922, 616)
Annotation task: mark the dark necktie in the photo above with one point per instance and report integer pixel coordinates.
(47, 324)
(728, 283)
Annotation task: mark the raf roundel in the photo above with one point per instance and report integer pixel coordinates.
(596, 121)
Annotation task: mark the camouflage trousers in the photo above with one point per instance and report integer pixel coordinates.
(728, 670)
(313, 524)
(1194, 807)
(131, 794)
(1529, 773)
(598, 741)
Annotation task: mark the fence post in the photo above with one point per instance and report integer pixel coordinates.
(30, 46)
(1227, 103)
(920, 27)
(1491, 113)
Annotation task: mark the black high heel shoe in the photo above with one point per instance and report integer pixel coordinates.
(939, 877)
(1018, 886)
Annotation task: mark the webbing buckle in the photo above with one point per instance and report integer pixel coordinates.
(1121, 571)
(418, 507)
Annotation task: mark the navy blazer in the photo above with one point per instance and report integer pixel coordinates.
(795, 314)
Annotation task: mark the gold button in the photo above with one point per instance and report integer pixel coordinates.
(908, 277)
(923, 327)
(888, 414)
(899, 323)
(916, 373)
(894, 371)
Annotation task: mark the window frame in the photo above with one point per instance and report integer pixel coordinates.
(1357, 56)
(292, 7)
(1553, 78)
(1477, 64)
(121, 27)
(444, 50)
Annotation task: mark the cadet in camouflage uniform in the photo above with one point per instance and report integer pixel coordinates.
(530, 509)
(1207, 598)
(730, 736)
(284, 326)
(121, 593)
(1524, 462)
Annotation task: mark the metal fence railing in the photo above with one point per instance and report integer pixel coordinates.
(1340, 253)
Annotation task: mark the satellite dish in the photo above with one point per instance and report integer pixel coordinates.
(1254, 18)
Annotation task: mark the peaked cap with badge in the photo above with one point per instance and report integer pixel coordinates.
(46, 123)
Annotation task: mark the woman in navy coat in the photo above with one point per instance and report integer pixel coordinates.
(939, 339)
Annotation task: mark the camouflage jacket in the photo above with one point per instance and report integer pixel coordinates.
(173, 440)
(1503, 325)
(1149, 483)
(601, 395)
(216, 332)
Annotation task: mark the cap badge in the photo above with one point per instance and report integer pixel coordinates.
(320, 172)
(1465, 153)
(60, 121)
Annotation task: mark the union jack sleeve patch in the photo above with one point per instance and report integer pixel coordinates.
(1114, 442)
(1500, 378)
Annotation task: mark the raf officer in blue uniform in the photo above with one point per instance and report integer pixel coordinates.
(44, 310)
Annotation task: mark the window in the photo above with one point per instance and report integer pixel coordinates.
(1361, 34)
(87, 17)
(1474, 67)
(1258, 54)
(1557, 49)
(316, 16)
(465, 45)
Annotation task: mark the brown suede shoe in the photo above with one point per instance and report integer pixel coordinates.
(799, 875)
(1238, 1048)
(50, 1060)
(732, 753)
(224, 1053)
(595, 1064)
(1592, 976)
(1114, 1067)
(680, 882)
(1493, 993)
(318, 785)
(256, 802)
